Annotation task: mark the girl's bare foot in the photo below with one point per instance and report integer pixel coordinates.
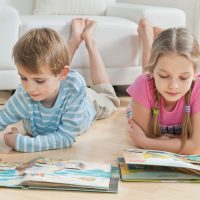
(156, 31)
(88, 33)
(146, 34)
(77, 28)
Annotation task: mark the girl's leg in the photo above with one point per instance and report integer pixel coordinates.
(77, 28)
(146, 37)
(156, 31)
(98, 70)
(147, 34)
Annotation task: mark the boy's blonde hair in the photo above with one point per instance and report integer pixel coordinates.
(42, 46)
(181, 42)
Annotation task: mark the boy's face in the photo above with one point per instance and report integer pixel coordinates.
(173, 76)
(41, 87)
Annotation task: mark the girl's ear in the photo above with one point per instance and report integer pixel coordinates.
(64, 72)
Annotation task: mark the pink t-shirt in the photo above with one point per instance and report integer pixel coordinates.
(142, 91)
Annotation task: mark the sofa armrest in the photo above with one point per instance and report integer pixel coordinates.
(9, 26)
(164, 17)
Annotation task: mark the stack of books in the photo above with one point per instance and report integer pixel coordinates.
(158, 166)
(44, 173)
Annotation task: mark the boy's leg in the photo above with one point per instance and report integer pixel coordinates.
(77, 28)
(102, 93)
(104, 100)
(98, 70)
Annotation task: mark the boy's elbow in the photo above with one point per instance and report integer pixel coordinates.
(69, 142)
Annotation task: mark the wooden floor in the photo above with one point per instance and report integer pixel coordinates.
(4, 95)
(102, 143)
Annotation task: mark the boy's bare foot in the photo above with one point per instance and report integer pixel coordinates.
(77, 28)
(146, 34)
(97, 68)
(88, 33)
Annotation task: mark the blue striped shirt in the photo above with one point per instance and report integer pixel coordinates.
(50, 128)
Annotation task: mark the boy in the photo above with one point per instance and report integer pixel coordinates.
(52, 100)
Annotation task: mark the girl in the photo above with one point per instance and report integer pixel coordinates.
(165, 105)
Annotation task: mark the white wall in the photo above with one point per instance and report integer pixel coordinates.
(191, 8)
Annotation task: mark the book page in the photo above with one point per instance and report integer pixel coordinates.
(63, 172)
(77, 173)
(8, 174)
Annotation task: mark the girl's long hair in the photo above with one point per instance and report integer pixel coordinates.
(183, 43)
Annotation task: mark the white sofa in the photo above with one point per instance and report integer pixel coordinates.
(116, 33)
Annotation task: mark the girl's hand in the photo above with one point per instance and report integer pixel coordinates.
(137, 134)
(10, 137)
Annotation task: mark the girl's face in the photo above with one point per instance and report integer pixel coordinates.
(173, 76)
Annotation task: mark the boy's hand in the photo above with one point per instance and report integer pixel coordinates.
(10, 137)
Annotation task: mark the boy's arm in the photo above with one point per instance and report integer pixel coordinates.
(69, 127)
(14, 110)
(74, 121)
(55, 140)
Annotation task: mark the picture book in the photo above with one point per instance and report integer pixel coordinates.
(154, 166)
(44, 173)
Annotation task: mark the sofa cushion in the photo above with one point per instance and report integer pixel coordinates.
(68, 7)
(117, 38)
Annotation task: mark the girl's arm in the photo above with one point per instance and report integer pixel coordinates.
(192, 145)
(140, 130)
(142, 116)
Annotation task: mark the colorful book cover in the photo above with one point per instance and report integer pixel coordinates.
(188, 163)
(149, 173)
(43, 173)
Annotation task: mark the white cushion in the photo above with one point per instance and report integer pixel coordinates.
(70, 7)
(9, 21)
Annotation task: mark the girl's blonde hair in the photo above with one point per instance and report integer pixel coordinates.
(42, 46)
(181, 42)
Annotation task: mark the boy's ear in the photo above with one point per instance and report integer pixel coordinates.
(64, 72)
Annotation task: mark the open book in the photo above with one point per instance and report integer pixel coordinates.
(43, 173)
(151, 165)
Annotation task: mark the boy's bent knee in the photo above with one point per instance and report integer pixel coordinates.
(104, 100)
(108, 92)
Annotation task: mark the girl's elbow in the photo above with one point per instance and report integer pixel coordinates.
(194, 149)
